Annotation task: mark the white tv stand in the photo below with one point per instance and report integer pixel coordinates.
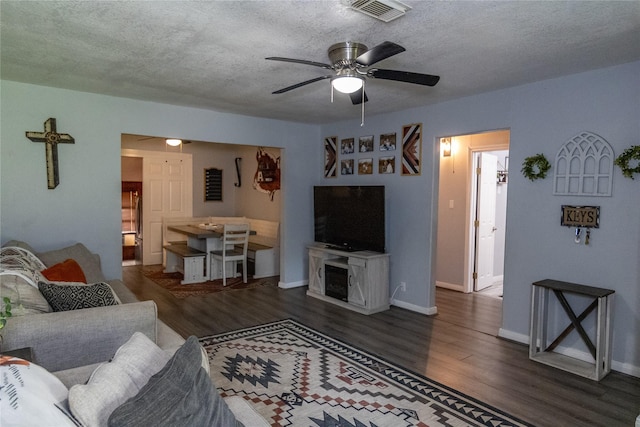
(366, 272)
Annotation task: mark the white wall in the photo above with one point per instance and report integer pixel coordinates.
(85, 206)
(236, 201)
(541, 116)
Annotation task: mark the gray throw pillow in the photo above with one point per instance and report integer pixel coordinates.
(181, 394)
(75, 297)
(88, 261)
(115, 382)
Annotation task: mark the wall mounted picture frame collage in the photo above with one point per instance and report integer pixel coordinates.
(353, 155)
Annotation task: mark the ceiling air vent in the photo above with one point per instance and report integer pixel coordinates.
(384, 10)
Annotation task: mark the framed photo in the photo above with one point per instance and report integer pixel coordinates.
(412, 149)
(365, 144)
(346, 167)
(388, 142)
(330, 157)
(365, 166)
(347, 146)
(387, 164)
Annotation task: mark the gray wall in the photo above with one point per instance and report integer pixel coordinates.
(85, 206)
(541, 117)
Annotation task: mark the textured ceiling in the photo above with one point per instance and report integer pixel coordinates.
(211, 54)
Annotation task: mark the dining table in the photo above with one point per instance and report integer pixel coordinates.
(205, 238)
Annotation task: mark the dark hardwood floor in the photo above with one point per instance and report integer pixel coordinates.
(458, 347)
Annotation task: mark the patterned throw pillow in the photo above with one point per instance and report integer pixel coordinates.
(30, 395)
(75, 297)
(13, 256)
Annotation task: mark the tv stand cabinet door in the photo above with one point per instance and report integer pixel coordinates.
(376, 283)
(357, 284)
(316, 271)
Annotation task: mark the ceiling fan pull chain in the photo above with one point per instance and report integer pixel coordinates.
(362, 118)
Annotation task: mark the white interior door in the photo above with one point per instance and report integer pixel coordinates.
(485, 232)
(166, 192)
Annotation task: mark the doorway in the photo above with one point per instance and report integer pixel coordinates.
(460, 250)
(131, 210)
(488, 221)
(166, 180)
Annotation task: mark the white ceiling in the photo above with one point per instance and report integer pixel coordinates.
(210, 54)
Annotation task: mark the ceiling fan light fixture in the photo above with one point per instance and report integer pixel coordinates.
(173, 142)
(347, 84)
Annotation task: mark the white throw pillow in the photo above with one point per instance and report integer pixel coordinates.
(29, 394)
(113, 383)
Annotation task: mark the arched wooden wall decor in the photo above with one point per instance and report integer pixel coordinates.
(584, 167)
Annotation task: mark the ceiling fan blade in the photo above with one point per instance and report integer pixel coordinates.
(356, 97)
(378, 53)
(288, 88)
(300, 61)
(404, 76)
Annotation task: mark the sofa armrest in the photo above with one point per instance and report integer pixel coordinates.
(68, 339)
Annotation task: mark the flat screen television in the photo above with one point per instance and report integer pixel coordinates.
(350, 218)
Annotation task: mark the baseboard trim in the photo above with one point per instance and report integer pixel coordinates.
(513, 336)
(452, 286)
(429, 311)
(290, 285)
(625, 368)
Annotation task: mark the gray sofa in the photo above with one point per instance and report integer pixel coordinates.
(72, 344)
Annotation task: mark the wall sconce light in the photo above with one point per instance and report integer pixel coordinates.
(173, 142)
(445, 146)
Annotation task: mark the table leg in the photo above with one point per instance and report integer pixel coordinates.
(603, 336)
(212, 244)
(544, 317)
(535, 321)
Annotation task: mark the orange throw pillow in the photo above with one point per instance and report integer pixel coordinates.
(66, 271)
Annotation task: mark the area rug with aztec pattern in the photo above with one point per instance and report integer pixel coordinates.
(296, 376)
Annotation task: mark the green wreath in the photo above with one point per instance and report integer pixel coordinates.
(535, 167)
(623, 161)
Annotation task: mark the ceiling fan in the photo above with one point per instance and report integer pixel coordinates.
(351, 62)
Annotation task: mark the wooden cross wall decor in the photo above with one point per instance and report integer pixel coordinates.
(51, 138)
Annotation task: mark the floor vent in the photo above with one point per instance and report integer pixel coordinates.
(384, 10)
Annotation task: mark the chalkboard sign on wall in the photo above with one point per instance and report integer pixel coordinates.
(213, 185)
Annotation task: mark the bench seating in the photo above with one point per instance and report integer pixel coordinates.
(263, 251)
(264, 247)
(186, 260)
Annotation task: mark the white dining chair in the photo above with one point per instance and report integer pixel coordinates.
(234, 237)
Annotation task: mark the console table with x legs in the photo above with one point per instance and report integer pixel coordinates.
(541, 348)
